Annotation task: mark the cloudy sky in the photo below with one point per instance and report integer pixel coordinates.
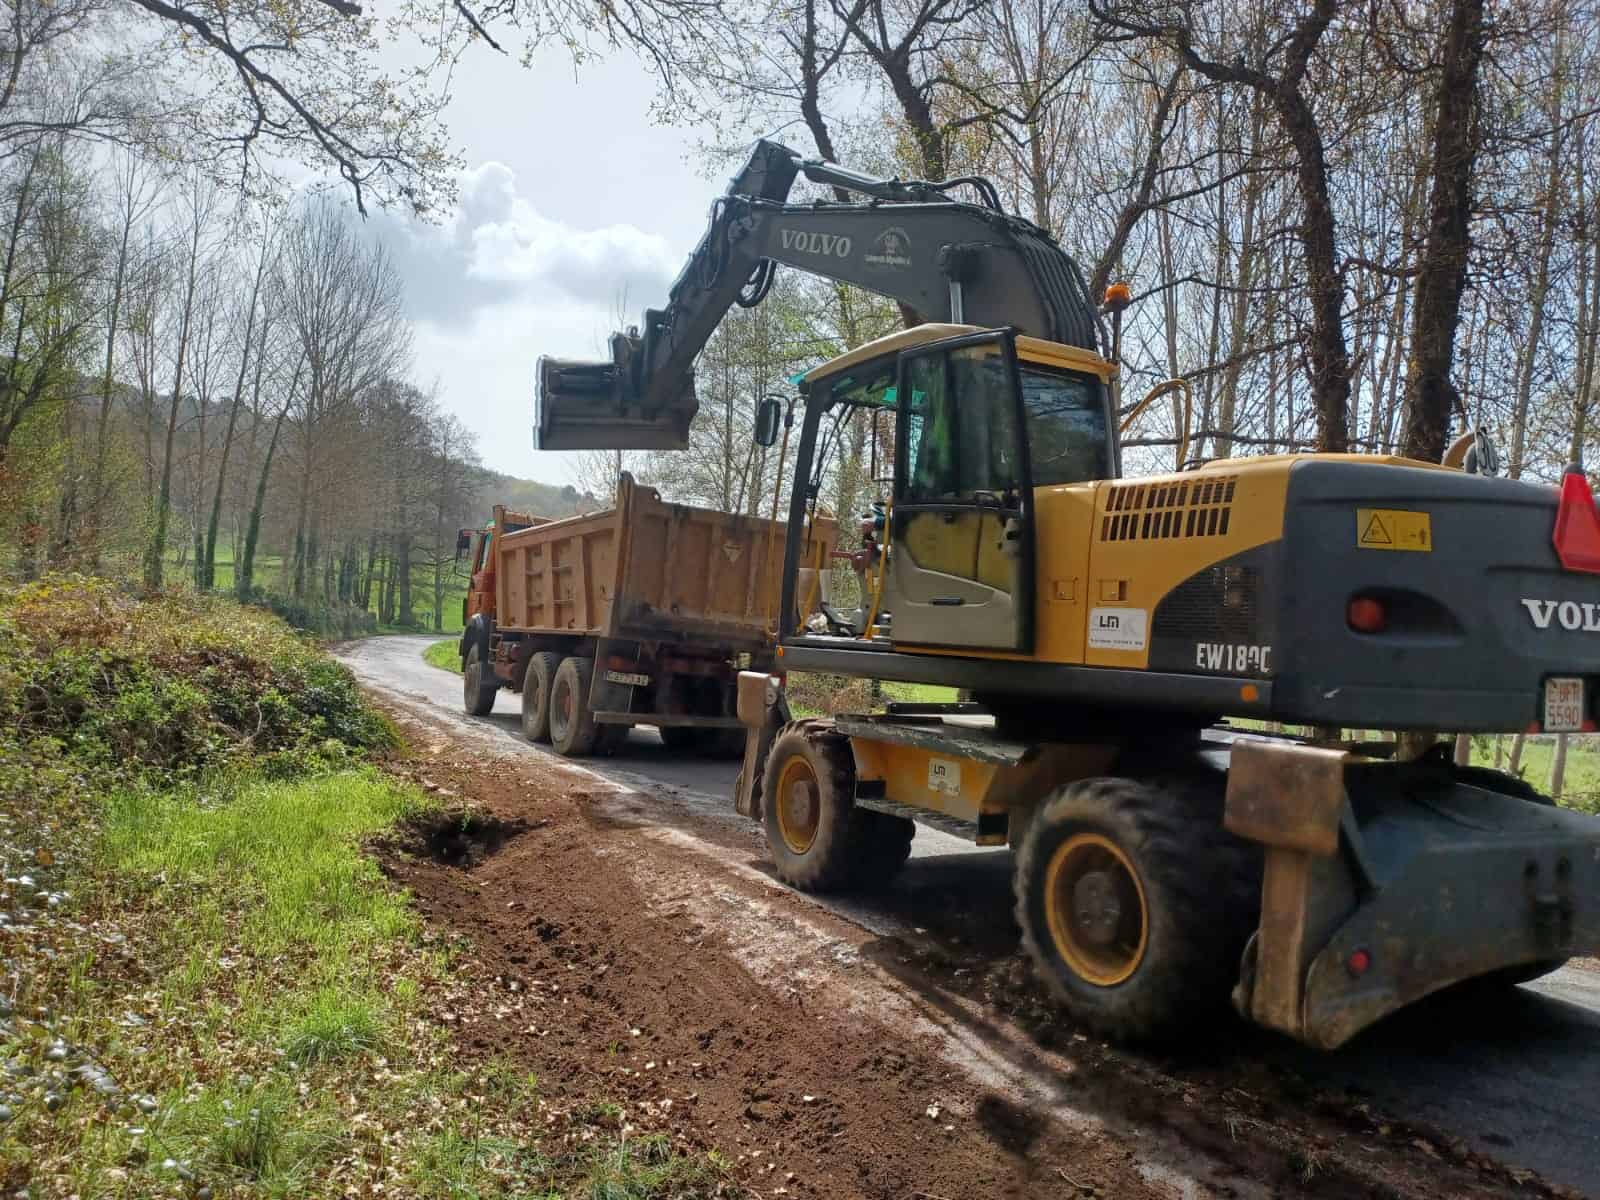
(572, 201)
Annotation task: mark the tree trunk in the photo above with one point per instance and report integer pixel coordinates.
(1558, 767)
(209, 551)
(156, 554)
(1326, 350)
(97, 482)
(244, 573)
(1430, 393)
(1548, 221)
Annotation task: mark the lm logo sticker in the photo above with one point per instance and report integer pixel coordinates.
(1118, 628)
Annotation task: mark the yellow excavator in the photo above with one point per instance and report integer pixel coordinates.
(1127, 644)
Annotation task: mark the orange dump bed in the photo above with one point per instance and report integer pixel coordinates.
(649, 571)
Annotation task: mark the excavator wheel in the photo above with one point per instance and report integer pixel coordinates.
(886, 847)
(478, 684)
(1135, 904)
(572, 724)
(819, 839)
(536, 687)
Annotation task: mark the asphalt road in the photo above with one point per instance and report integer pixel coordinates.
(1515, 1074)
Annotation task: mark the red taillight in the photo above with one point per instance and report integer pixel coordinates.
(1358, 963)
(1577, 531)
(1366, 615)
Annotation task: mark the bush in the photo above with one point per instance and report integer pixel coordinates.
(169, 686)
(326, 620)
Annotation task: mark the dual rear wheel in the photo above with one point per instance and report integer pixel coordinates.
(556, 709)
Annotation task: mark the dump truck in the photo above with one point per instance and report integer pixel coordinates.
(640, 614)
(1127, 643)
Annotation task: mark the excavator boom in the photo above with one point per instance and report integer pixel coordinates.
(946, 259)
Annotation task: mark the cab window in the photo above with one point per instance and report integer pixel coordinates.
(1067, 438)
(960, 426)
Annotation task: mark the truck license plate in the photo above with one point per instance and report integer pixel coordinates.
(1563, 705)
(630, 678)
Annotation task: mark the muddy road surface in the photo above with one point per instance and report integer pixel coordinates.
(894, 1045)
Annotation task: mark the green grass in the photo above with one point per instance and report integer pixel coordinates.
(224, 996)
(288, 851)
(919, 693)
(445, 655)
(1581, 787)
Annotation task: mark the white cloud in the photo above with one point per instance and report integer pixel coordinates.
(500, 284)
(497, 248)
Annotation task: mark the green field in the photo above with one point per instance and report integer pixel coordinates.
(445, 655)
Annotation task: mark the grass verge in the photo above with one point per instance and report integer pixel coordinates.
(445, 655)
(210, 989)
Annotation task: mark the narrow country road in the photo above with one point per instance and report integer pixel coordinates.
(1514, 1077)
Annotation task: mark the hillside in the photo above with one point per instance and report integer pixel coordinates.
(531, 496)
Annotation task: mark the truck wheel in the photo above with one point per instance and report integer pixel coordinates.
(886, 846)
(478, 684)
(608, 739)
(536, 686)
(1134, 904)
(683, 738)
(572, 725)
(815, 832)
(725, 743)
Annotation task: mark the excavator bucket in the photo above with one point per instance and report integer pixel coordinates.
(593, 406)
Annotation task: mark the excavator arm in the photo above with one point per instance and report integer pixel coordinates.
(946, 259)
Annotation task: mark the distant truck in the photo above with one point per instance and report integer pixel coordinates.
(642, 614)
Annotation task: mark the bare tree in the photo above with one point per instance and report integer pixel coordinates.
(195, 231)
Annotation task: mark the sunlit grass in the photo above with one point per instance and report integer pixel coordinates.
(445, 655)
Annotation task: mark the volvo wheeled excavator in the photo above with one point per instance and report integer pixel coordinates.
(1126, 643)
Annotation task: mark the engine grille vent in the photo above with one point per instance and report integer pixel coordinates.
(1186, 509)
(1221, 603)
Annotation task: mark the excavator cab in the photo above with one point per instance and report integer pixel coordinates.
(980, 418)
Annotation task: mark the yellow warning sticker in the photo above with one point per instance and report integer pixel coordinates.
(1394, 529)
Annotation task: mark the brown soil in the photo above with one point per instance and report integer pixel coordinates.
(657, 968)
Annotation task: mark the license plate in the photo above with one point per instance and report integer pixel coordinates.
(630, 678)
(1563, 705)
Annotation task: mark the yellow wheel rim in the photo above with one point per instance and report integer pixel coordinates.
(1096, 909)
(799, 805)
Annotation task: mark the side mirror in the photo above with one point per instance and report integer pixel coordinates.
(769, 415)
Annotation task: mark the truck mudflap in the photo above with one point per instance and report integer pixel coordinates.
(1384, 882)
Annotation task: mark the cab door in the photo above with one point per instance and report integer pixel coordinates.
(961, 566)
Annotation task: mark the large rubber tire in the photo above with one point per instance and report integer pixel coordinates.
(536, 687)
(572, 725)
(817, 835)
(886, 848)
(478, 684)
(608, 739)
(725, 743)
(682, 739)
(1155, 848)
